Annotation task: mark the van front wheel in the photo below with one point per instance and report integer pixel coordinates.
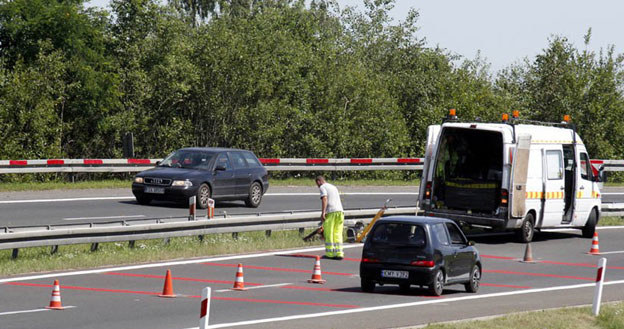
(527, 230)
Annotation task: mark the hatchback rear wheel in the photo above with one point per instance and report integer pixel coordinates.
(475, 279)
(437, 287)
(255, 195)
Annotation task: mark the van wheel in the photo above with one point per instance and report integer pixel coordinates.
(367, 285)
(475, 279)
(255, 195)
(590, 226)
(437, 287)
(527, 230)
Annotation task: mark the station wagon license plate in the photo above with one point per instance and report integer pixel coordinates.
(157, 190)
(395, 274)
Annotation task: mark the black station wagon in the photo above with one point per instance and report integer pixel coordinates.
(217, 173)
(424, 251)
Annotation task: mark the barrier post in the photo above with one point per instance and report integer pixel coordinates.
(602, 267)
(210, 211)
(204, 313)
(192, 208)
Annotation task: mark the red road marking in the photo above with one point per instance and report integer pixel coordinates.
(266, 268)
(539, 274)
(123, 291)
(178, 278)
(555, 262)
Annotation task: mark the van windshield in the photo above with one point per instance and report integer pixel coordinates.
(188, 159)
(468, 169)
(400, 234)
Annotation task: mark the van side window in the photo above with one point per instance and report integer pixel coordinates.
(440, 233)
(456, 236)
(554, 164)
(586, 170)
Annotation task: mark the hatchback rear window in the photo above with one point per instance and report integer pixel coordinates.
(400, 234)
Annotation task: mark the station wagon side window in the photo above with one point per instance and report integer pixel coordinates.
(440, 233)
(238, 162)
(586, 169)
(554, 164)
(456, 235)
(223, 160)
(251, 159)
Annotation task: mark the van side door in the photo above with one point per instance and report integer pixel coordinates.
(553, 181)
(585, 192)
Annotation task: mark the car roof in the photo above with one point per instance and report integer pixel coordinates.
(414, 220)
(210, 149)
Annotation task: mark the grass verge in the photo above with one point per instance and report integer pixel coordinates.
(611, 317)
(75, 257)
(611, 221)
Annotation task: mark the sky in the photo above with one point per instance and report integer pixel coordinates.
(507, 31)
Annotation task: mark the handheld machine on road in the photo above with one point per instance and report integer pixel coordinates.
(517, 175)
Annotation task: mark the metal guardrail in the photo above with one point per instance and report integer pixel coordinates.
(288, 164)
(158, 228)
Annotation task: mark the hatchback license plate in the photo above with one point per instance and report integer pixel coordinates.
(395, 274)
(157, 190)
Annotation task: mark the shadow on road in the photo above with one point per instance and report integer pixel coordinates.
(503, 238)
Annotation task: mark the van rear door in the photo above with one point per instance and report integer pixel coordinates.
(520, 165)
(433, 134)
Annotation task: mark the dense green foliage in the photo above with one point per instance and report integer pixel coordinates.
(284, 78)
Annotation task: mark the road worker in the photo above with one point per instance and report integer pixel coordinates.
(332, 218)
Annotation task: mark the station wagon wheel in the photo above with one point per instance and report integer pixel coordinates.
(475, 279)
(527, 230)
(367, 285)
(255, 195)
(203, 194)
(145, 200)
(437, 287)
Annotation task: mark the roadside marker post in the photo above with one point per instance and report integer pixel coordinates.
(204, 313)
(210, 212)
(192, 208)
(602, 267)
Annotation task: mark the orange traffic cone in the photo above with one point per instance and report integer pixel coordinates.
(55, 299)
(316, 275)
(528, 254)
(168, 288)
(239, 283)
(595, 248)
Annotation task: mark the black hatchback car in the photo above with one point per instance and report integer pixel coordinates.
(424, 251)
(217, 173)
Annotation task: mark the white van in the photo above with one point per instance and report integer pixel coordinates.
(510, 176)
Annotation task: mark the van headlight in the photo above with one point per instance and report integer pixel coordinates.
(183, 183)
(138, 180)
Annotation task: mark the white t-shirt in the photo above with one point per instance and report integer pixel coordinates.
(333, 197)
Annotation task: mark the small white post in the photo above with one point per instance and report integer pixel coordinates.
(602, 268)
(210, 211)
(192, 208)
(205, 309)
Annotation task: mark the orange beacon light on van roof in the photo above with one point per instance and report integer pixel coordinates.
(566, 118)
(515, 114)
(452, 112)
(505, 117)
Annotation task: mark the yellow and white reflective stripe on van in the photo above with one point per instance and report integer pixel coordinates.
(542, 195)
(581, 194)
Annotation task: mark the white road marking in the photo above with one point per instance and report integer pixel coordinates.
(393, 306)
(612, 252)
(258, 287)
(612, 193)
(32, 311)
(165, 264)
(104, 217)
(131, 197)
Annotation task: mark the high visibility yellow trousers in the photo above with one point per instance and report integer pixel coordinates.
(332, 230)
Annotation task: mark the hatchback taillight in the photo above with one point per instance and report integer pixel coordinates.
(423, 263)
(370, 260)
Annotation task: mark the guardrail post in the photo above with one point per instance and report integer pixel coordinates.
(131, 244)
(210, 210)
(235, 235)
(94, 246)
(14, 253)
(54, 250)
(301, 231)
(166, 241)
(201, 238)
(267, 233)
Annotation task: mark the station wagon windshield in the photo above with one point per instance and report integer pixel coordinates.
(400, 234)
(188, 159)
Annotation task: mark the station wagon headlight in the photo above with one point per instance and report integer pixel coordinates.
(138, 180)
(183, 183)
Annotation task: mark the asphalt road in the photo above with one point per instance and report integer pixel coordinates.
(279, 295)
(86, 206)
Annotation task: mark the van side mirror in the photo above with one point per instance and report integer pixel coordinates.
(602, 176)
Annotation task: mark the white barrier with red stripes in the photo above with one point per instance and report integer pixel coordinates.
(204, 312)
(602, 267)
(272, 164)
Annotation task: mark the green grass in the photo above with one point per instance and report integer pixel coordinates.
(74, 257)
(611, 221)
(611, 317)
